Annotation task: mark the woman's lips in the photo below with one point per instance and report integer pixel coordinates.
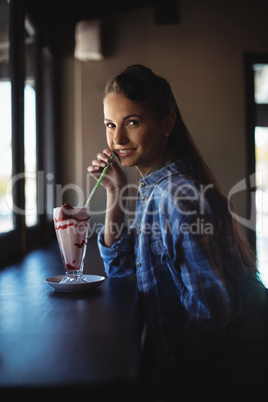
(122, 153)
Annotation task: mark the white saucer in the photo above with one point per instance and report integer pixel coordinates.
(91, 282)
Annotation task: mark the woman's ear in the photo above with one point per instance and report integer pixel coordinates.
(169, 122)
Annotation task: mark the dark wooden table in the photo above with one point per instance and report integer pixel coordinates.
(49, 339)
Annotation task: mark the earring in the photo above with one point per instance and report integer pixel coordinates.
(167, 134)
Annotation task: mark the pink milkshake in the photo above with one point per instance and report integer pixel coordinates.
(72, 230)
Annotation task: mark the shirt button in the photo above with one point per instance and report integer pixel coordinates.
(144, 198)
(142, 184)
(138, 264)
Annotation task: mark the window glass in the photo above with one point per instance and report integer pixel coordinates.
(261, 152)
(261, 83)
(261, 168)
(30, 157)
(6, 196)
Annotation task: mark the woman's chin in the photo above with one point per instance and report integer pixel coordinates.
(127, 162)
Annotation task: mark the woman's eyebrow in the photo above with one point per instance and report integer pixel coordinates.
(131, 115)
(126, 117)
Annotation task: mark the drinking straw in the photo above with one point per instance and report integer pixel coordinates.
(99, 180)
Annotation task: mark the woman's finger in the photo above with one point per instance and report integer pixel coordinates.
(93, 168)
(102, 158)
(107, 152)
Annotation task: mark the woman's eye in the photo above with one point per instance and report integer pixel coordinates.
(132, 122)
(110, 125)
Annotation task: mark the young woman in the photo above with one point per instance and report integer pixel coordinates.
(195, 272)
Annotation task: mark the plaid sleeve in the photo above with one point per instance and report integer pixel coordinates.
(207, 296)
(196, 263)
(118, 260)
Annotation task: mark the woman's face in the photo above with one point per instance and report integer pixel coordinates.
(133, 133)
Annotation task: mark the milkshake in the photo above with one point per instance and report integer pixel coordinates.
(72, 230)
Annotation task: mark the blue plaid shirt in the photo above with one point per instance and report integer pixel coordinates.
(189, 270)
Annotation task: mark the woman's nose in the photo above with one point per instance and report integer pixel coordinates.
(120, 136)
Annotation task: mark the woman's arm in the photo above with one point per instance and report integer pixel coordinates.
(114, 219)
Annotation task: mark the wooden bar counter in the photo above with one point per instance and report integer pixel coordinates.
(53, 340)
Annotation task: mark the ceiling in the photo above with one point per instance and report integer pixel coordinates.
(54, 12)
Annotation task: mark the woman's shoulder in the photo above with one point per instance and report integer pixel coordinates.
(178, 181)
(181, 189)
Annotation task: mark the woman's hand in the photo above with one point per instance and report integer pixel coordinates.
(114, 178)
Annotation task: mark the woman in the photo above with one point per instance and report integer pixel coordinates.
(195, 271)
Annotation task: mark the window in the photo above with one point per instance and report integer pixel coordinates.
(257, 144)
(26, 157)
(30, 144)
(6, 196)
(261, 167)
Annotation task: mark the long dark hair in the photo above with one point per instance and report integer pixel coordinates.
(139, 83)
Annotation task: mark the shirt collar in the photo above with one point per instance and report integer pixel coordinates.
(179, 166)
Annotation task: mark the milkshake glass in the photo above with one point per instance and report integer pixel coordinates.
(72, 231)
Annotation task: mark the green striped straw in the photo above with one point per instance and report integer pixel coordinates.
(98, 182)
